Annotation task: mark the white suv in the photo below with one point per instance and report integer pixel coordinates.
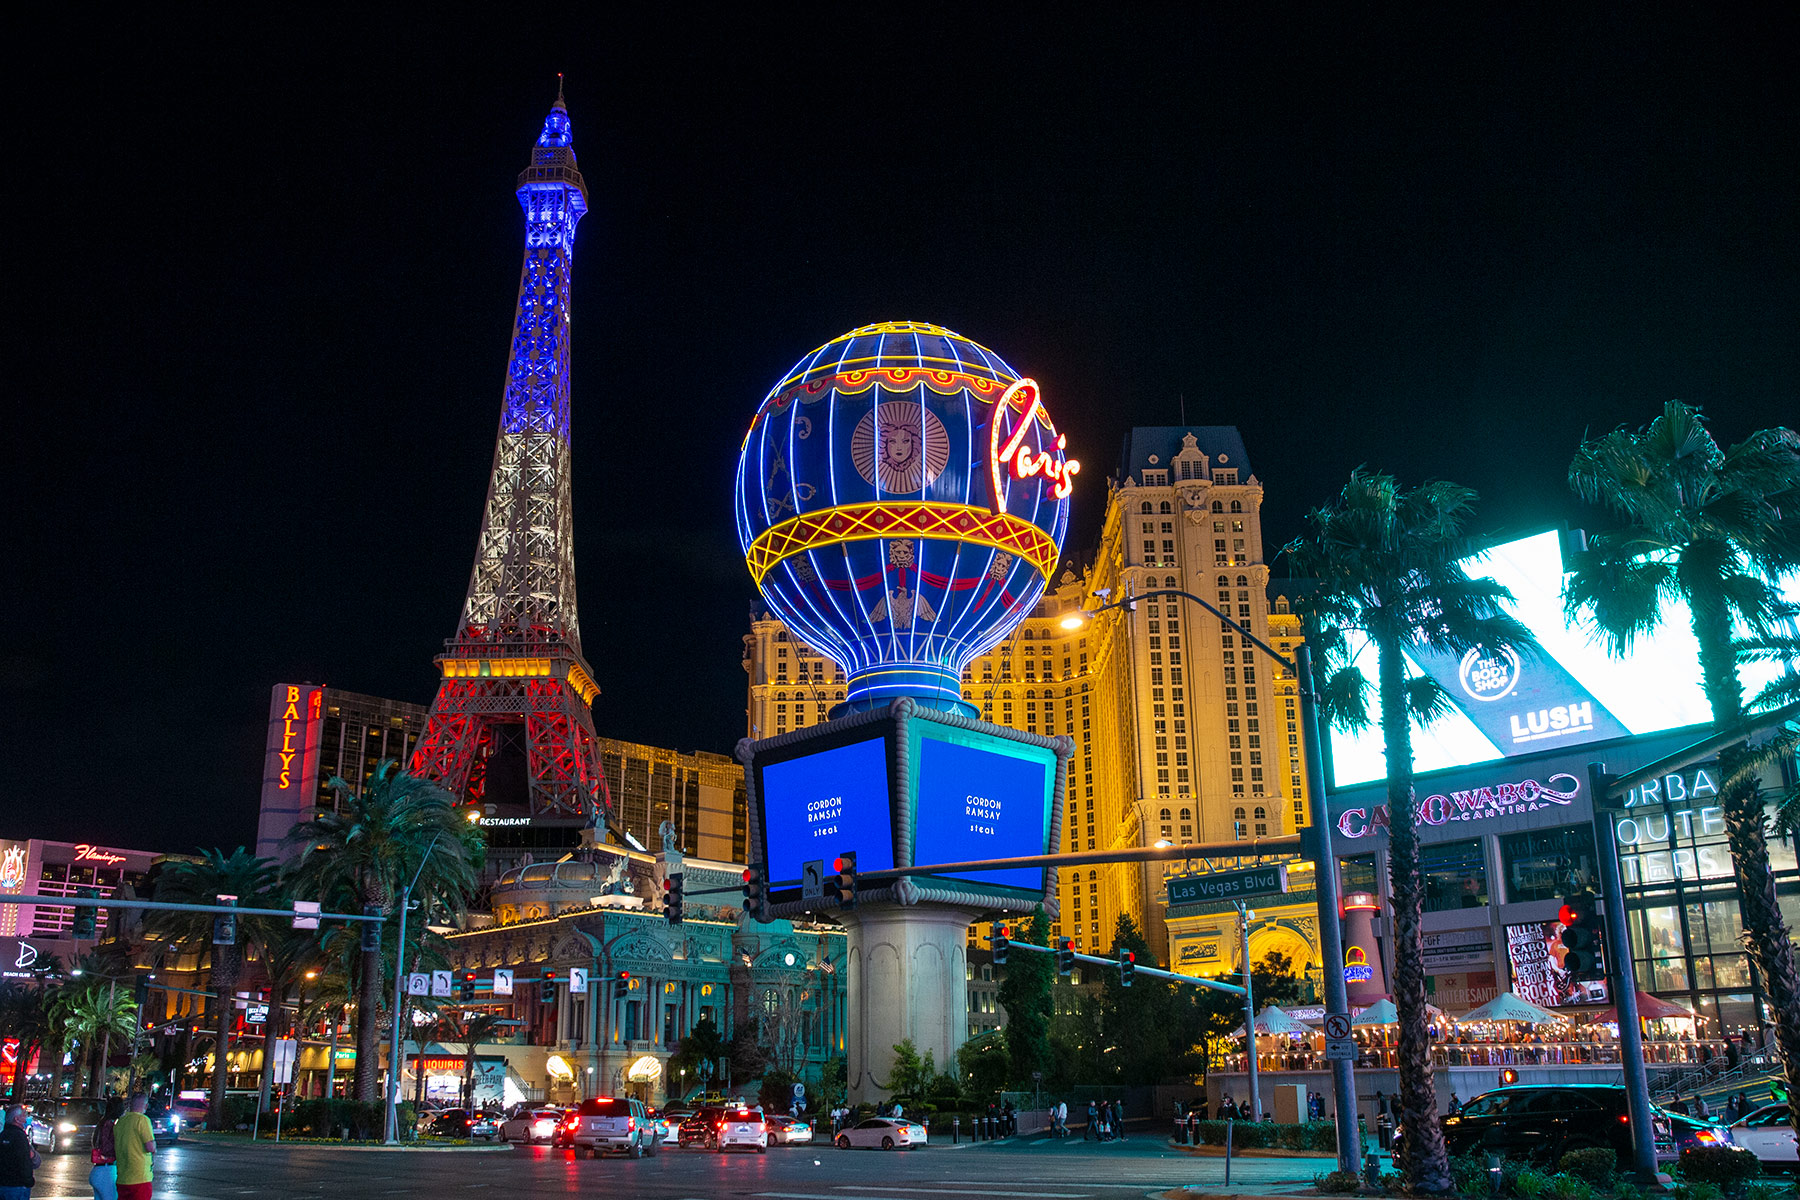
(614, 1124)
(743, 1129)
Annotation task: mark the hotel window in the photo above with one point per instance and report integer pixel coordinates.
(1455, 876)
(1537, 864)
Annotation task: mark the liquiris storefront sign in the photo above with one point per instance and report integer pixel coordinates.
(1500, 799)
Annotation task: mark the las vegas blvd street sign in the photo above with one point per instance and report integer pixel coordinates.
(1228, 885)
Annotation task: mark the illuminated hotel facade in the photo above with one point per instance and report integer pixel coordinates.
(1180, 733)
(318, 732)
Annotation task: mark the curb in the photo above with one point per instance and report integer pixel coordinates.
(341, 1147)
(1250, 1152)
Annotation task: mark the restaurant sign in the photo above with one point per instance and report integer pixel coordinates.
(1502, 799)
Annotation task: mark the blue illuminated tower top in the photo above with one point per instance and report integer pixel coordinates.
(523, 587)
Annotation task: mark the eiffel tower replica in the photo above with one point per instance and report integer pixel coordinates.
(511, 729)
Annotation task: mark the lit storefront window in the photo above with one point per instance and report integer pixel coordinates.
(1537, 865)
(1455, 875)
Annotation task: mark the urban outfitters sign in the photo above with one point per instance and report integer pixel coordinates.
(1228, 885)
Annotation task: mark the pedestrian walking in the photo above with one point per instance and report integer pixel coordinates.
(1700, 1108)
(1062, 1118)
(17, 1159)
(135, 1144)
(104, 1178)
(1092, 1132)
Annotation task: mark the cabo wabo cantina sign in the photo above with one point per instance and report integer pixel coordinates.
(1472, 804)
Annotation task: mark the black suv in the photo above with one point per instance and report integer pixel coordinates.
(701, 1128)
(1549, 1121)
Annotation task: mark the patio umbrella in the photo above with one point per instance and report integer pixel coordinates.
(1272, 1020)
(1650, 1008)
(1508, 1007)
(1383, 1012)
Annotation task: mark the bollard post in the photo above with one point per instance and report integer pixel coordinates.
(1228, 1151)
(955, 1130)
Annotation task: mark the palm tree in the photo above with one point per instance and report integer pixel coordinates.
(25, 1015)
(1386, 562)
(1716, 529)
(285, 957)
(470, 1030)
(366, 851)
(94, 1014)
(256, 884)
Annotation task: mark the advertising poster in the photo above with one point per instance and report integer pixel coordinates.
(976, 803)
(1535, 951)
(823, 804)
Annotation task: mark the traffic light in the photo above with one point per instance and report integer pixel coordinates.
(672, 885)
(1583, 929)
(547, 990)
(1000, 937)
(1127, 966)
(621, 985)
(225, 924)
(1508, 1077)
(846, 880)
(371, 931)
(1065, 956)
(87, 920)
(468, 987)
(756, 891)
(140, 992)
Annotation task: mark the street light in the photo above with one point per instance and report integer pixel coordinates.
(393, 1088)
(1331, 938)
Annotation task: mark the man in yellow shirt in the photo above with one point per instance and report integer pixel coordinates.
(134, 1142)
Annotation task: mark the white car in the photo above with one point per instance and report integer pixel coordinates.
(1768, 1133)
(788, 1131)
(614, 1124)
(889, 1133)
(530, 1123)
(743, 1129)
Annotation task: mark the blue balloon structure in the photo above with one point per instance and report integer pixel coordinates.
(902, 499)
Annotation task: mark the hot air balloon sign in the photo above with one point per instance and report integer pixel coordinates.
(902, 499)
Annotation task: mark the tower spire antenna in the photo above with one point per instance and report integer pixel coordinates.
(559, 91)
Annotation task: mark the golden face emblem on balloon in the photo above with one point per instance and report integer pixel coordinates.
(900, 446)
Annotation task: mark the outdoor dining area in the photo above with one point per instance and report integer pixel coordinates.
(1506, 1031)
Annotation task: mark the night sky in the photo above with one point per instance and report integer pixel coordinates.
(262, 280)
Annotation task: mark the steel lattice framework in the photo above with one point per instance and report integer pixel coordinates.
(516, 657)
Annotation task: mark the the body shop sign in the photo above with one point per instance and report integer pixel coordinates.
(1499, 799)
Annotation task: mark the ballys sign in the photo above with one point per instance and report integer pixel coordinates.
(1473, 804)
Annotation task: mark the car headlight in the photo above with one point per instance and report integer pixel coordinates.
(66, 1127)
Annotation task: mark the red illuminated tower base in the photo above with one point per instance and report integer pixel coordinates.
(510, 727)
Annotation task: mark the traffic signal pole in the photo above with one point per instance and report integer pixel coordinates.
(1153, 972)
(1621, 977)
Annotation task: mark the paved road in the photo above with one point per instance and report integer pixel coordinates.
(1036, 1169)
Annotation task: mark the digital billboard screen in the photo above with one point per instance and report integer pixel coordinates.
(819, 805)
(983, 797)
(1572, 690)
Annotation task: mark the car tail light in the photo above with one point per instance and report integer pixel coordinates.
(630, 1124)
(1624, 1119)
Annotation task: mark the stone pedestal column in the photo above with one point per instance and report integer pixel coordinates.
(908, 978)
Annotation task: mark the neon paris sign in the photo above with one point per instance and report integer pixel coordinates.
(1025, 464)
(1473, 804)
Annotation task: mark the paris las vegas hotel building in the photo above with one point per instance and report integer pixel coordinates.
(1182, 731)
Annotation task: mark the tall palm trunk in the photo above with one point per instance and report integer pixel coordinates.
(1424, 1160)
(224, 984)
(368, 1025)
(1765, 931)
